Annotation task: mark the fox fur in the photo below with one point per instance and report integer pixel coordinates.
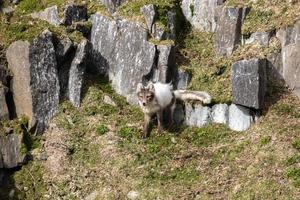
(157, 97)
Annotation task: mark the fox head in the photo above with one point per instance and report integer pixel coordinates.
(145, 94)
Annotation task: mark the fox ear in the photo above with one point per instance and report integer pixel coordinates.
(139, 88)
(150, 87)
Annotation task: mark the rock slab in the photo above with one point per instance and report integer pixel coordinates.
(220, 114)
(197, 115)
(49, 14)
(249, 82)
(240, 118)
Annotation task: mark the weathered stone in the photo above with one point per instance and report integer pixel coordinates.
(197, 115)
(261, 38)
(49, 14)
(63, 48)
(289, 35)
(158, 32)
(35, 84)
(171, 25)
(183, 79)
(74, 13)
(228, 31)
(77, 71)
(246, 11)
(291, 67)
(220, 113)
(166, 64)
(275, 66)
(240, 118)
(8, 10)
(249, 82)
(122, 51)
(15, 1)
(4, 114)
(149, 14)
(201, 13)
(3, 75)
(112, 5)
(109, 101)
(132, 195)
(10, 151)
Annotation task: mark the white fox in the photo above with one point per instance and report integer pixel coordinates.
(156, 97)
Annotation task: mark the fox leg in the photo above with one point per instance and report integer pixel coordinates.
(146, 131)
(159, 121)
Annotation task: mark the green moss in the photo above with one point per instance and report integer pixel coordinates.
(294, 174)
(265, 140)
(293, 160)
(296, 144)
(101, 129)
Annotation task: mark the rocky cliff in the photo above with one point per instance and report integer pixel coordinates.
(49, 57)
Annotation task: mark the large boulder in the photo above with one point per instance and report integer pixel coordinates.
(112, 5)
(240, 118)
(49, 14)
(4, 114)
(228, 31)
(35, 81)
(201, 13)
(10, 151)
(197, 115)
(77, 71)
(121, 50)
(182, 80)
(291, 67)
(249, 82)
(289, 34)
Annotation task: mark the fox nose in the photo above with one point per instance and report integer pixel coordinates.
(144, 103)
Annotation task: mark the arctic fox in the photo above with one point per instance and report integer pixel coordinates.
(156, 97)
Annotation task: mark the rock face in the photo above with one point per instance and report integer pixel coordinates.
(77, 71)
(35, 86)
(183, 79)
(197, 115)
(121, 50)
(10, 151)
(228, 31)
(291, 68)
(4, 114)
(249, 82)
(261, 38)
(49, 14)
(289, 35)
(74, 13)
(220, 114)
(112, 5)
(275, 66)
(149, 14)
(240, 118)
(201, 13)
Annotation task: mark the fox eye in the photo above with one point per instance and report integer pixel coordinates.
(149, 96)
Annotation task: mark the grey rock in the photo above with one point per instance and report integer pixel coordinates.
(74, 13)
(4, 114)
(249, 82)
(261, 38)
(240, 118)
(10, 151)
(289, 35)
(275, 65)
(291, 67)
(178, 115)
(132, 195)
(149, 14)
(35, 86)
(158, 32)
(81, 27)
(201, 13)
(171, 25)
(228, 31)
(3, 74)
(165, 65)
(112, 5)
(7, 10)
(220, 114)
(77, 72)
(197, 115)
(246, 11)
(121, 50)
(63, 48)
(49, 14)
(15, 1)
(183, 80)
(109, 101)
